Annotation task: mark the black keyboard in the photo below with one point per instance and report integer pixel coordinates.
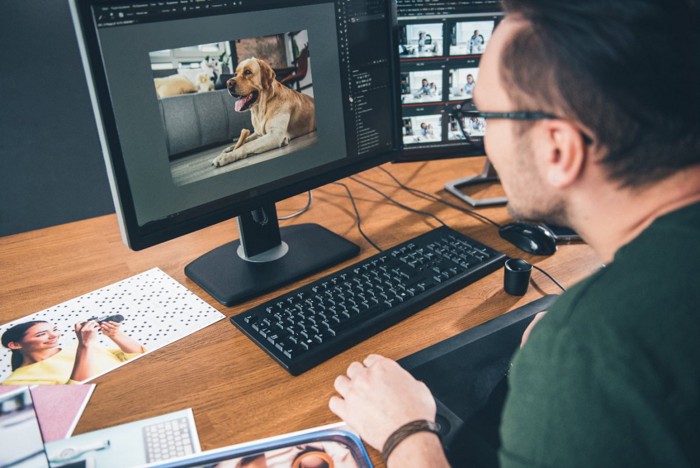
(315, 322)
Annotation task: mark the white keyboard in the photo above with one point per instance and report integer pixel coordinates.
(168, 439)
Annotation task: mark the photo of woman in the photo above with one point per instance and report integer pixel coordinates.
(422, 129)
(319, 454)
(39, 359)
(422, 86)
(462, 83)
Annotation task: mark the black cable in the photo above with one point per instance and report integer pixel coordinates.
(357, 216)
(405, 207)
(440, 200)
(550, 277)
(478, 215)
(424, 213)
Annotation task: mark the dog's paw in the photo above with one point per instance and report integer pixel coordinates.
(220, 160)
(229, 157)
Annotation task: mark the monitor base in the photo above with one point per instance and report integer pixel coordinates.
(488, 175)
(231, 280)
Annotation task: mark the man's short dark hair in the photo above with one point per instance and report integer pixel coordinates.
(629, 71)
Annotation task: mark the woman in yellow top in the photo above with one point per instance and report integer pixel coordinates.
(37, 357)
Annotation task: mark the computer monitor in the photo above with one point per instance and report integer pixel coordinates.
(440, 43)
(176, 84)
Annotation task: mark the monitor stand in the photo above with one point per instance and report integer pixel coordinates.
(266, 257)
(488, 175)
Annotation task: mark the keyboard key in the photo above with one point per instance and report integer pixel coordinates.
(167, 439)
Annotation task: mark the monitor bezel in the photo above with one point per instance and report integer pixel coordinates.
(429, 154)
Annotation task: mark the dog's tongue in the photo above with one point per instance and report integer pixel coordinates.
(242, 102)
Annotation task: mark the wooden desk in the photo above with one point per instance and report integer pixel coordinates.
(236, 391)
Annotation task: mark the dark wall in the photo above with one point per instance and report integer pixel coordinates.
(51, 166)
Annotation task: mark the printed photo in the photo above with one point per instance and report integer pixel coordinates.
(321, 454)
(137, 443)
(232, 104)
(21, 444)
(420, 40)
(421, 86)
(462, 83)
(331, 446)
(422, 129)
(90, 335)
(473, 126)
(470, 37)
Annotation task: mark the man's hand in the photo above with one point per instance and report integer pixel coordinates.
(378, 396)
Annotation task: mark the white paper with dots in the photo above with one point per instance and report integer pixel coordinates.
(157, 310)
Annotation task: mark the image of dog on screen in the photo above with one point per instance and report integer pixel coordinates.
(228, 106)
(278, 113)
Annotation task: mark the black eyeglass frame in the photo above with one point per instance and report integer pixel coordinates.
(523, 115)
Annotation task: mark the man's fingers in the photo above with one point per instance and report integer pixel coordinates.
(341, 384)
(372, 359)
(337, 406)
(355, 369)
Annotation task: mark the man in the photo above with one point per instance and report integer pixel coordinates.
(610, 376)
(476, 43)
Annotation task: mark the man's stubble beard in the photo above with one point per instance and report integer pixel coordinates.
(531, 203)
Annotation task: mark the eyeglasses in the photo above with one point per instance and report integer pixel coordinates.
(510, 115)
(520, 116)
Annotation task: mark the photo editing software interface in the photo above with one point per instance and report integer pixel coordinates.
(440, 44)
(209, 104)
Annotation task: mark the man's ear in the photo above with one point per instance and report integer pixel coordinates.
(565, 152)
(267, 74)
(14, 346)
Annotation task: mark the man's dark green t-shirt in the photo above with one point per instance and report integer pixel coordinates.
(610, 377)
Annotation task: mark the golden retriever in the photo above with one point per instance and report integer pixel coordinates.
(278, 114)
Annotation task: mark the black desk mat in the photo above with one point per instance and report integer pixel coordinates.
(467, 376)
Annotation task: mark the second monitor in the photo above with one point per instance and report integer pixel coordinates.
(440, 46)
